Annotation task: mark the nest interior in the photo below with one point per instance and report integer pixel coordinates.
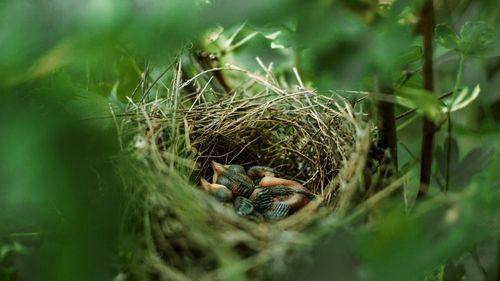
(314, 139)
(290, 133)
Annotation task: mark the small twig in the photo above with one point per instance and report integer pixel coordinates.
(198, 96)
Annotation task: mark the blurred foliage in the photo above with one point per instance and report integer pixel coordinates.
(65, 63)
(474, 38)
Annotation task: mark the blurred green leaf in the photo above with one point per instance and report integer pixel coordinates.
(461, 171)
(473, 163)
(413, 55)
(463, 99)
(453, 272)
(474, 38)
(286, 38)
(441, 154)
(446, 37)
(280, 35)
(421, 100)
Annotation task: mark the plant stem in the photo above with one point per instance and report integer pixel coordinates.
(458, 82)
(428, 128)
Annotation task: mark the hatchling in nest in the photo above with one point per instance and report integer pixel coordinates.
(258, 192)
(256, 173)
(289, 192)
(239, 183)
(218, 191)
(243, 206)
(261, 198)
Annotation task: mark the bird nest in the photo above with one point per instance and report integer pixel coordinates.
(317, 140)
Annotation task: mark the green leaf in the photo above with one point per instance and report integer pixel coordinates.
(464, 98)
(413, 55)
(475, 38)
(447, 37)
(287, 38)
(441, 156)
(453, 272)
(281, 36)
(461, 171)
(473, 163)
(421, 100)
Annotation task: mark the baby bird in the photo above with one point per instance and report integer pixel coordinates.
(277, 211)
(219, 191)
(256, 173)
(261, 198)
(239, 183)
(289, 192)
(243, 206)
(236, 168)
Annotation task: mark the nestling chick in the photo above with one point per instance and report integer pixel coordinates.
(256, 173)
(219, 191)
(243, 206)
(239, 184)
(277, 211)
(289, 192)
(236, 168)
(261, 198)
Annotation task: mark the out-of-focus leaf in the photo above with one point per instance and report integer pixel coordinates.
(475, 38)
(60, 182)
(473, 163)
(413, 55)
(447, 37)
(287, 38)
(281, 36)
(441, 157)
(421, 100)
(15, 247)
(461, 171)
(464, 98)
(453, 272)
